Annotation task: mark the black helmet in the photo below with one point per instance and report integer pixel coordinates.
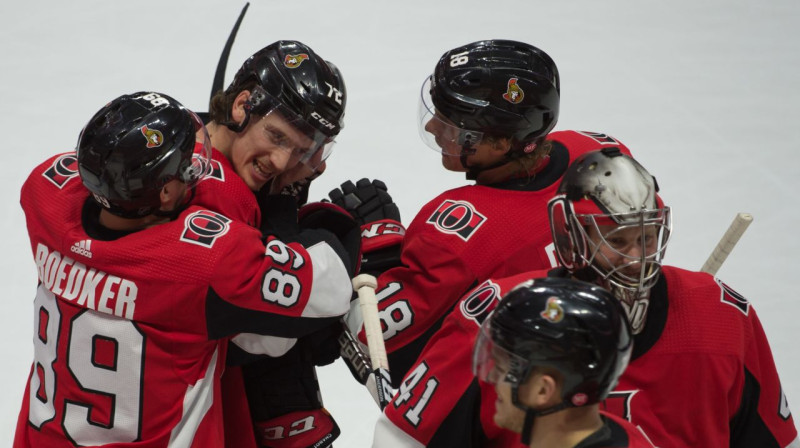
(609, 188)
(136, 144)
(292, 75)
(573, 327)
(497, 87)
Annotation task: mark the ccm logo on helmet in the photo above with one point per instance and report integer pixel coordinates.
(204, 227)
(323, 121)
(457, 217)
(62, 170)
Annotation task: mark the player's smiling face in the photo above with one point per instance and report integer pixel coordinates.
(266, 148)
(623, 248)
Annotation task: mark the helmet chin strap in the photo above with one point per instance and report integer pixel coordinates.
(530, 418)
(474, 171)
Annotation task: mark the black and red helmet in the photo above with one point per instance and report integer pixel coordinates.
(136, 144)
(573, 327)
(501, 88)
(293, 75)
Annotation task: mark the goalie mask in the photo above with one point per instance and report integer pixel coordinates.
(574, 328)
(610, 226)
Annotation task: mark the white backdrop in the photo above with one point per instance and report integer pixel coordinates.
(704, 93)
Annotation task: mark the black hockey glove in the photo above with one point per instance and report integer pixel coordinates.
(282, 393)
(323, 345)
(366, 201)
(381, 231)
(334, 219)
(278, 215)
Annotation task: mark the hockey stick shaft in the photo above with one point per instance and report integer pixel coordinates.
(364, 285)
(740, 223)
(219, 76)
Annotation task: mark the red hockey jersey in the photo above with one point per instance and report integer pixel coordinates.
(702, 372)
(467, 235)
(130, 334)
(441, 404)
(225, 192)
(693, 380)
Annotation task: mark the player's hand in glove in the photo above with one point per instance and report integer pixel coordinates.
(374, 209)
(332, 218)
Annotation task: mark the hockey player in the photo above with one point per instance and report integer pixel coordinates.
(271, 130)
(553, 349)
(701, 372)
(139, 290)
(488, 108)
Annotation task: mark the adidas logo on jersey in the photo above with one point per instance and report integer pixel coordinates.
(82, 247)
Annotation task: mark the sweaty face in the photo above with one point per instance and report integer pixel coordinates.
(266, 148)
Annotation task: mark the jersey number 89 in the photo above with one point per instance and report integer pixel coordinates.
(114, 378)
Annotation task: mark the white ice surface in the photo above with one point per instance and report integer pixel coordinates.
(704, 92)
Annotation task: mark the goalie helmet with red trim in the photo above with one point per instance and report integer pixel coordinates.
(610, 226)
(574, 328)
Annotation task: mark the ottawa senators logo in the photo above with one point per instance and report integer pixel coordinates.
(514, 93)
(154, 137)
(481, 302)
(553, 311)
(62, 170)
(294, 60)
(203, 227)
(457, 217)
(211, 167)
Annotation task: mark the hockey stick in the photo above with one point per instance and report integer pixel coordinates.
(727, 243)
(219, 76)
(379, 381)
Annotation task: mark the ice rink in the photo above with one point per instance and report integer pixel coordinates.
(705, 93)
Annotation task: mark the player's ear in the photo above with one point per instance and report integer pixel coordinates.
(539, 391)
(501, 145)
(237, 108)
(172, 194)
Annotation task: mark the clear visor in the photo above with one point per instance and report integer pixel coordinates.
(439, 133)
(492, 363)
(201, 155)
(290, 132)
(629, 254)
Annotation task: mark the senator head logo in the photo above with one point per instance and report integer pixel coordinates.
(154, 137)
(553, 311)
(294, 60)
(514, 93)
